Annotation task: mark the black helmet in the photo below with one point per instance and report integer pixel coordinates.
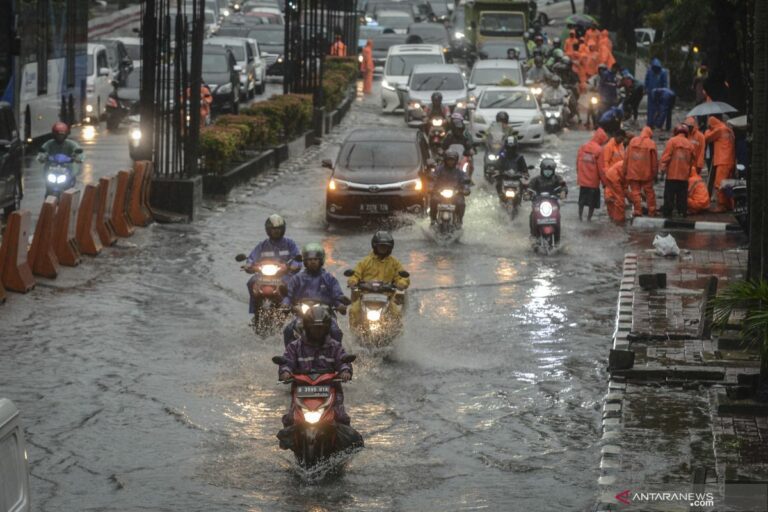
(275, 227)
(317, 324)
(437, 97)
(510, 144)
(556, 42)
(502, 117)
(538, 61)
(313, 250)
(547, 167)
(451, 155)
(382, 243)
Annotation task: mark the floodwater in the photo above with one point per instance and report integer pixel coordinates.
(142, 387)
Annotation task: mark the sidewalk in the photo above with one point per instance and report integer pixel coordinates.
(673, 418)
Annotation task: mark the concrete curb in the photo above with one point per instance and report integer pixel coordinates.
(610, 452)
(658, 223)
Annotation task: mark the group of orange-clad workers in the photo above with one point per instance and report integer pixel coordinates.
(588, 52)
(627, 167)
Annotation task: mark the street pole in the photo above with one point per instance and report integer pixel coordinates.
(758, 206)
(573, 6)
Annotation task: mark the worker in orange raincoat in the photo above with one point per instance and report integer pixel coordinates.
(641, 164)
(605, 50)
(723, 141)
(570, 42)
(593, 60)
(698, 195)
(615, 192)
(613, 151)
(338, 48)
(698, 141)
(676, 162)
(590, 172)
(367, 67)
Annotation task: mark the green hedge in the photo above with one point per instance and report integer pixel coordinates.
(338, 74)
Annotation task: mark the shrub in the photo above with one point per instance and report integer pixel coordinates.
(219, 146)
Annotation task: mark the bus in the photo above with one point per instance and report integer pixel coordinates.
(43, 62)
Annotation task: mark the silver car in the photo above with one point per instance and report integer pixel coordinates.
(251, 66)
(426, 79)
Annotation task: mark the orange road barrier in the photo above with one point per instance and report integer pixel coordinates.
(64, 242)
(16, 274)
(106, 198)
(138, 212)
(42, 257)
(120, 221)
(86, 234)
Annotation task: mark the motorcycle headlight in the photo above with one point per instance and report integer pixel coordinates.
(465, 167)
(492, 157)
(437, 122)
(386, 85)
(89, 108)
(545, 208)
(594, 100)
(224, 89)
(136, 134)
(269, 270)
(360, 59)
(556, 114)
(280, 59)
(61, 178)
(447, 193)
(458, 35)
(509, 193)
(536, 90)
(414, 105)
(373, 315)
(304, 308)
(51, 178)
(460, 104)
(313, 416)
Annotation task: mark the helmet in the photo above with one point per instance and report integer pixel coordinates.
(317, 324)
(538, 61)
(510, 144)
(566, 60)
(382, 243)
(555, 80)
(538, 38)
(457, 115)
(457, 122)
(547, 167)
(451, 155)
(502, 117)
(60, 129)
(437, 97)
(275, 227)
(557, 53)
(556, 42)
(681, 128)
(602, 67)
(313, 250)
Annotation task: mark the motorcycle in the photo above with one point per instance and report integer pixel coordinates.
(436, 135)
(447, 226)
(593, 110)
(267, 289)
(465, 162)
(493, 147)
(381, 307)
(303, 306)
(315, 435)
(545, 220)
(59, 174)
(512, 188)
(736, 189)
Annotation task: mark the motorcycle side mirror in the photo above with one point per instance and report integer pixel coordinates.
(327, 164)
(279, 360)
(349, 358)
(241, 257)
(403, 273)
(349, 272)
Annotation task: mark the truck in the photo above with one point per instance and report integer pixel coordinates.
(497, 20)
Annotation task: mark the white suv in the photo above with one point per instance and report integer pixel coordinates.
(400, 61)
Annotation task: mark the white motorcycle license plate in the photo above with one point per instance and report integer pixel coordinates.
(544, 222)
(313, 391)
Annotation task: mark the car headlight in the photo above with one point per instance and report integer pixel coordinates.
(460, 104)
(412, 185)
(545, 208)
(136, 135)
(224, 89)
(373, 315)
(386, 85)
(280, 59)
(313, 416)
(337, 185)
(269, 270)
(89, 108)
(537, 119)
(414, 105)
(458, 35)
(225, 12)
(478, 119)
(509, 193)
(492, 157)
(594, 100)
(51, 178)
(446, 193)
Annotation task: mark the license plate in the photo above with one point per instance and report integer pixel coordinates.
(374, 208)
(313, 391)
(542, 222)
(446, 207)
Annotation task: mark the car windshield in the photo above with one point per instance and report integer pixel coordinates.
(437, 82)
(501, 24)
(403, 64)
(507, 99)
(356, 156)
(268, 37)
(215, 63)
(429, 34)
(134, 51)
(394, 20)
(494, 76)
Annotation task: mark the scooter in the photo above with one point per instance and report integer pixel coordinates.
(593, 109)
(302, 307)
(511, 190)
(436, 135)
(381, 308)
(545, 221)
(447, 227)
(267, 289)
(315, 435)
(493, 148)
(59, 174)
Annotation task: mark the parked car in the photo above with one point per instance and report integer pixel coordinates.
(11, 186)
(428, 78)
(400, 62)
(494, 71)
(519, 103)
(14, 468)
(271, 40)
(399, 21)
(378, 171)
(119, 61)
(432, 33)
(211, 23)
(251, 65)
(98, 82)
(221, 77)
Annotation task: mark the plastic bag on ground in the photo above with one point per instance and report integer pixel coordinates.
(665, 245)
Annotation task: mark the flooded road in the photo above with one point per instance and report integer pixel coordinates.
(142, 386)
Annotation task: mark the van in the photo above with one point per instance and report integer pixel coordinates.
(14, 472)
(400, 61)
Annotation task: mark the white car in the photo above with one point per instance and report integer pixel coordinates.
(14, 468)
(524, 113)
(396, 20)
(252, 66)
(486, 73)
(98, 82)
(400, 61)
